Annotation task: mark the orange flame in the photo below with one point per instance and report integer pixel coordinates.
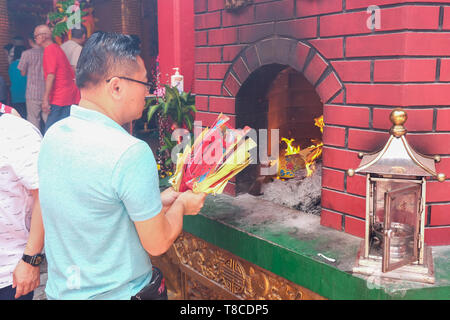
(290, 150)
(318, 122)
(316, 149)
(316, 152)
(312, 153)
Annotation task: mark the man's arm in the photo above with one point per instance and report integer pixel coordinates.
(23, 64)
(35, 242)
(168, 197)
(158, 217)
(48, 88)
(26, 278)
(159, 233)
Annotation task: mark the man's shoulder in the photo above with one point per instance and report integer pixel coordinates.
(16, 121)
(16, 126)
(106, 137)
(33, 52)
(70, 44)
(122, 142)
(52, 48)
(26, 54)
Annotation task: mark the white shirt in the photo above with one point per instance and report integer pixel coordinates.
(72, 51)
(19, 149)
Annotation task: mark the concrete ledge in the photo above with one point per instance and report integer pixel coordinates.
(295, 246)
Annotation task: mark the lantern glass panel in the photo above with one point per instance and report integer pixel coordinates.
(402, 216)
(394, 221)
(381, 187)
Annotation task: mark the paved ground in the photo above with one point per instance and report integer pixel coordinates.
(39, 293)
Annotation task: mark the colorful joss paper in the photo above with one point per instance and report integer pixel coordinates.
(217, 155)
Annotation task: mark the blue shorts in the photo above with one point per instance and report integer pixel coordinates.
(8, 293)
(56, 113)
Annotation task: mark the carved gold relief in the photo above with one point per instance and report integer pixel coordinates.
(200, 270)
(233, 276)
(257, 284)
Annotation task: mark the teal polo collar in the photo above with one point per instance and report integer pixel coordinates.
(94, 116)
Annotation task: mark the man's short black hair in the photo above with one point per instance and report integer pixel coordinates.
(107, 54)
(78, 33)
(18, 50)
(8, 46)
(31, 37)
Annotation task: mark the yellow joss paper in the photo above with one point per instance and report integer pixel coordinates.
(195, 174)
(175, 180)
(215, 182)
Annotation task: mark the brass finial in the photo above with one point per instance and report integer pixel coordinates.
(351, 172)
(441, 177)
(398, 118)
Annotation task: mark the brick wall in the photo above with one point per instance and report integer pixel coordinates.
(4, 39)
(360, 74)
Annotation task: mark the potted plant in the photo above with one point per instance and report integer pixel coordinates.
(175, 109)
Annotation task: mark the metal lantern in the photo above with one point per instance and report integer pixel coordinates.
(395, 203)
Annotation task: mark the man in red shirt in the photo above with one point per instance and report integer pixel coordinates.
(60, 88)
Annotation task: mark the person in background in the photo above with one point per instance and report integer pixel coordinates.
(18, 83)
(21, 229)
(102, 209)
(17, 41)
(3, 91)
(30, 65)
(72, 48)
(9, 51)
(60, 89)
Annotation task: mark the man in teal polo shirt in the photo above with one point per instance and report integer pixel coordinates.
(102, 210)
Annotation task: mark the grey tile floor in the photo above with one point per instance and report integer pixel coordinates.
(39, 292)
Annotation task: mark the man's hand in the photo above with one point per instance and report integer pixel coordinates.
(168, 197)
(192, 202)
(157, 234)
(45, 106)
(26, 278)
(48, 89)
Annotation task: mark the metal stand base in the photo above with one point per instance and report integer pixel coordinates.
(415, 272)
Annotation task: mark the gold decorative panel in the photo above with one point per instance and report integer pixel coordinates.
(195, 269)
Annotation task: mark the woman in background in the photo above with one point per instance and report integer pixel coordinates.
(18, 83)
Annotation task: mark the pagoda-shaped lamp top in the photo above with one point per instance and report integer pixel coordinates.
(398, 158)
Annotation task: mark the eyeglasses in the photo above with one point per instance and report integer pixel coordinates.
(39, 34)
(149, 85)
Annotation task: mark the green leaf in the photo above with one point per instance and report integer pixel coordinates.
(188, 122)
(168, 142)
(152, 111)
(189, 108)
(191, 99)
(171, 94)
(179, 112)
(168, 162)
(164, 148)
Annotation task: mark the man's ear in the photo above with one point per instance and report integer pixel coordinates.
(115, 88)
